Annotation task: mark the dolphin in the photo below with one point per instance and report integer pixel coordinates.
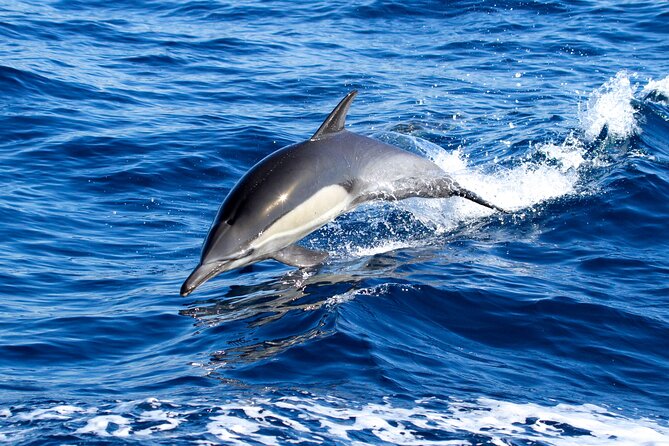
(299, 188)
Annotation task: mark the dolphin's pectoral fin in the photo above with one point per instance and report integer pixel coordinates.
(440, 187)
(295, 255)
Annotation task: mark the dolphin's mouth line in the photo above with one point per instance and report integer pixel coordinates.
(218, 267)
(206, 277)
(213, 272)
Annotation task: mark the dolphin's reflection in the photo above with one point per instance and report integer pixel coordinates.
(296, 290)
(244, 315)
(265, 349)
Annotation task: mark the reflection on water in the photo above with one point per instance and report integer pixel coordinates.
(261, 320)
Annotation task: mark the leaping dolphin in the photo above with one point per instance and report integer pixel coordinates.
(299, 188)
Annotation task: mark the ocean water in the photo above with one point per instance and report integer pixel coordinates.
(123, 125)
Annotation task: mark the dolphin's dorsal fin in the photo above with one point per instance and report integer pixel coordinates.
(335, 121)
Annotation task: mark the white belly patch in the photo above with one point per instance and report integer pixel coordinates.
(314, 212)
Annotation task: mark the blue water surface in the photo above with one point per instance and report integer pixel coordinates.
(123, 125)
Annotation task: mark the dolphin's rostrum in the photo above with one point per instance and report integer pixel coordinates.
(299, 188)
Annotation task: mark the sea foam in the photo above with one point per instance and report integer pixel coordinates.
(308, 418)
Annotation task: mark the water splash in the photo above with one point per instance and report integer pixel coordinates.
(549, 171)
(657, 89)
(610, 108)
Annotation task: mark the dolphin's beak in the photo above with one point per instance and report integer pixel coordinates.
(200, 275)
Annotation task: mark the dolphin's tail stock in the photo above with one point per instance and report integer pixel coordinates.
(469, 195)
(440, 187)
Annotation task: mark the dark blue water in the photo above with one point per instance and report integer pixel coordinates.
(123, 124)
